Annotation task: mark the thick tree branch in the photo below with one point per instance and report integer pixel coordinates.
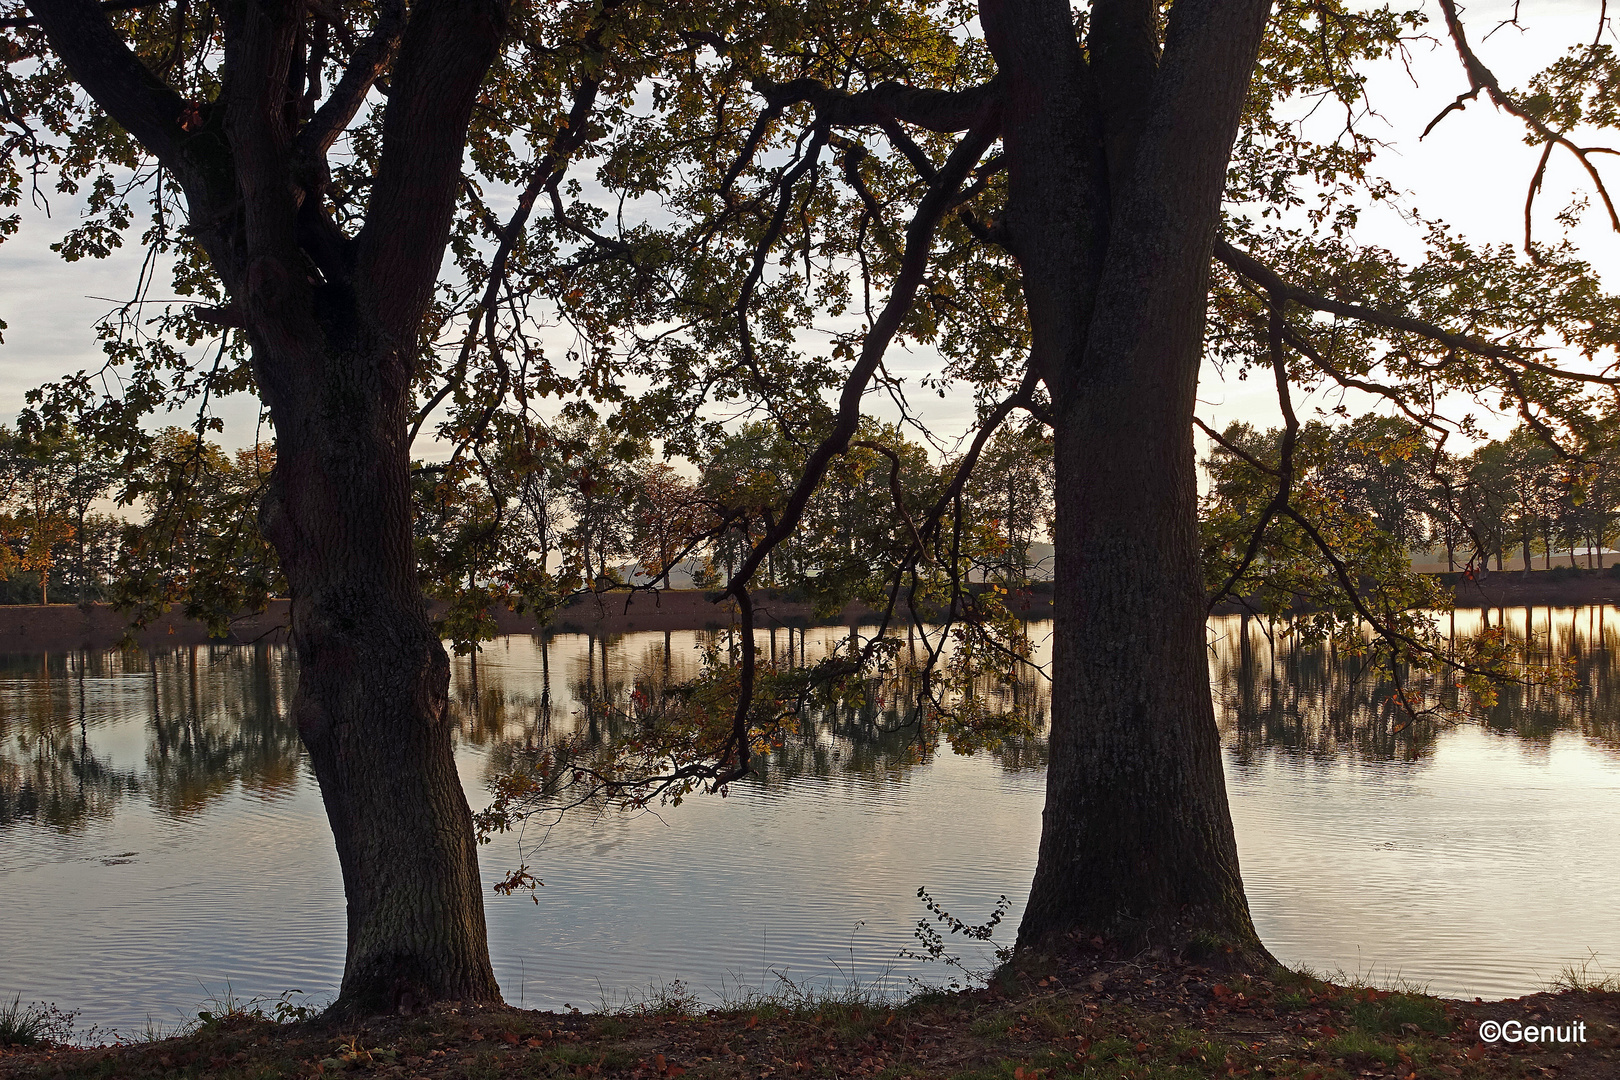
(1246, 265)
(907, 146)
(446, 48)
(369, 59)
(125, 88)
(935, 110)
(1055, 216)
(1123, 47)
(260, 39)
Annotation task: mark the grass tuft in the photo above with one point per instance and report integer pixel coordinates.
(34, 1024)
(1584, 978)
(1359, 1047)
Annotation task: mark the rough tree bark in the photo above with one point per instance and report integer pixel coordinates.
(372, 697)
(1116, 161)
(333, 322)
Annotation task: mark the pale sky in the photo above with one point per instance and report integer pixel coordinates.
(1472, 172)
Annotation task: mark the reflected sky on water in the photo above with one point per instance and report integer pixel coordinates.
(161, 835)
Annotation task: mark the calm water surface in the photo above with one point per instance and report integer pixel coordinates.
(162, 839)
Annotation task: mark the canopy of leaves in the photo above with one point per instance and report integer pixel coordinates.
(718, 219)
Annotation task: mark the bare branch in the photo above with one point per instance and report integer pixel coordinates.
(1481, 78)
(1285, 469)
(919, 244)
(446, 48)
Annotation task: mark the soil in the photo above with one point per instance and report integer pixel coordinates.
(1088, 1015)
(33, 628)
(1556, 588)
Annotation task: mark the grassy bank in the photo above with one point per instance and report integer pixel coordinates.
(1089, 1016)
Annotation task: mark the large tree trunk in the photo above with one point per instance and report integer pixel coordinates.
(1116, 169)
(373, 690)
(1136, 840)
(334, 319)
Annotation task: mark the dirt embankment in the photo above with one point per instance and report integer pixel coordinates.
(1560, 587)
(64, 627)
(31, 628)
(1542, 588)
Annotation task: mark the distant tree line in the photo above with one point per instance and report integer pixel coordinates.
(575, 505)
(579, 505)
(1518, 499)
(169, 523)
(561, 508)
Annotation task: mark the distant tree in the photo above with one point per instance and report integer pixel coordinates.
(1448, 502)
(90, 472)
(527, 473)
(196, 542)
(861, 523)
(1535, 471)
(1012, 492)
(459, 539)
(1306, 561)
(1488, 500)
(1383, 466)
(746, 476)
(1588, 509)
(41, 521)
(598, 478)
(670, 517)
(52, 480)
(1603, 496)
(103, 538)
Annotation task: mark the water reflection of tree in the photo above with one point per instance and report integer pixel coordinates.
(215, 717)
(491, 713)
(1310, 699)
(1590, 641)
(220, 718)
(49, 772)
(615, 686)
(881, 729)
